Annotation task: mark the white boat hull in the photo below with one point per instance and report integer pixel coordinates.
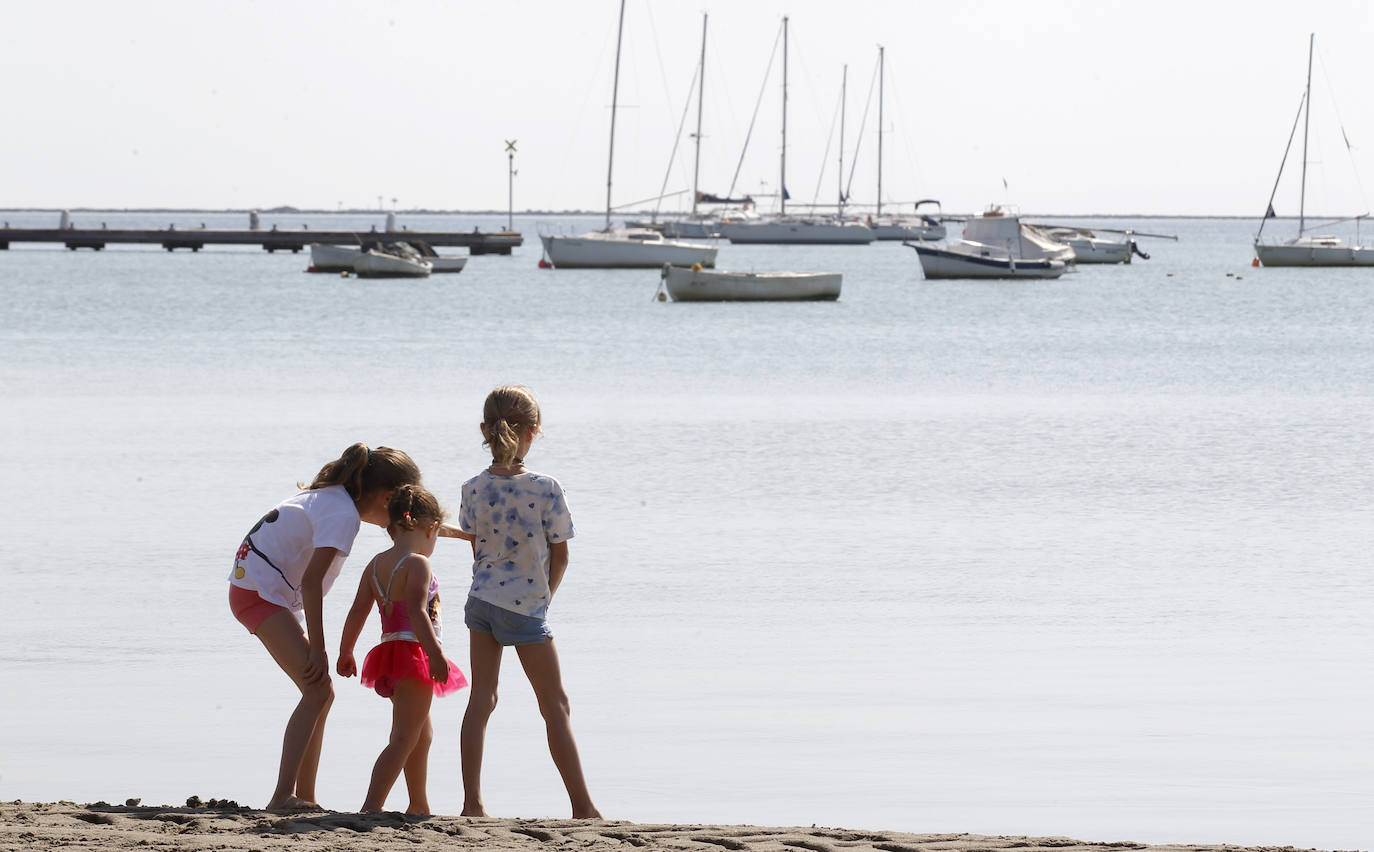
(377, 265)
(798, 232)
(601, 252)
(938, 263)
(1307, 254)
(332, 258)
(1099, 251)
(700, 285)
(443, 264)
(899, 231)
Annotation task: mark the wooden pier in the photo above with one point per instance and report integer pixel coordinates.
(500, 242)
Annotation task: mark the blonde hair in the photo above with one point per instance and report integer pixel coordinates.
(413, 506)
(508, 411)
(361, 470)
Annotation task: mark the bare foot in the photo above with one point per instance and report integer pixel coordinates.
(589, 812)
(292, 803)
(475, 811)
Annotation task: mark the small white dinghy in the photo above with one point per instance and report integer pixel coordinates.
(708, 285)
(376, 264)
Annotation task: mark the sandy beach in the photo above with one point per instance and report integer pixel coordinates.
(221, 825)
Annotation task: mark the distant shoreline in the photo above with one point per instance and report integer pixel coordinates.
(297, 211)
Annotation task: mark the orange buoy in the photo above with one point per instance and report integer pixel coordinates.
(1255, 262)
(544, 264)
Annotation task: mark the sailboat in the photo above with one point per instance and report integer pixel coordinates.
(618, 248)
(917, 225)
(1308, 249)
(793, 230)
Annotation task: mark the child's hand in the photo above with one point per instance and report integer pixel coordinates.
(347, 666)
(438, 669)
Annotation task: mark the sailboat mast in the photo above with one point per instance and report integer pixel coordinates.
(615, 96)
(701, 95)
(880, 130)
(1306, 120)
(782, 190)
(844, 83)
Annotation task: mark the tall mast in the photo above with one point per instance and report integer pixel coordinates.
(880, 130)
(844, 83)
(701, 94)
(615, 96)
(1306, 120)
(782, 191)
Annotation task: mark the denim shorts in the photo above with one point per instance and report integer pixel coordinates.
(506, 627)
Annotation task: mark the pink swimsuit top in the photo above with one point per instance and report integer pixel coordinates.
(397, 626)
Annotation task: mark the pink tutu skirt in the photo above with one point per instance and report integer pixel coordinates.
(392, 662)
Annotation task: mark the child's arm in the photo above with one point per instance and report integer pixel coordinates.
(312, 597)
(558, 564)
(417, 597)
(347, 666)
(448, 531)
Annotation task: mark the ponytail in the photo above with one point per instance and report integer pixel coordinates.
(507, 413)
(413, 506)
(361, 470)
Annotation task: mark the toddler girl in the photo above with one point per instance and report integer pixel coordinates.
(408, 666)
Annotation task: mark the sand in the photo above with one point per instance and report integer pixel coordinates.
(224, 826)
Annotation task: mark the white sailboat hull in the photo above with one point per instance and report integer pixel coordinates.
(1305, 253)
(798, 232)
(907, 231)
(700, 285)
(603, 251)
(968, 262)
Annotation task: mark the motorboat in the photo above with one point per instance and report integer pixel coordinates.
(374, 263)
(624, 248)
(703, 285)
(1088, 247)
(994, 246)
(1308, 249)
(613, 248)
(795, 230)
(326, 258)
(439, 263)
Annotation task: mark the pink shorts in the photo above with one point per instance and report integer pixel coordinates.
(249, 607)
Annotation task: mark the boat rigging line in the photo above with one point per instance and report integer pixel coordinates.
(757, 105)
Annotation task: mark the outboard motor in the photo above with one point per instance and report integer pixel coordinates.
(1135, 249)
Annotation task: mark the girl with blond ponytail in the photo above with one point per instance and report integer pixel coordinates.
(520, 526)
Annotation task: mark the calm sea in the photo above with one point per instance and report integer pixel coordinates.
(1088, 557)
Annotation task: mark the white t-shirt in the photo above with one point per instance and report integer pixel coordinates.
(274, 555)
(515, 519)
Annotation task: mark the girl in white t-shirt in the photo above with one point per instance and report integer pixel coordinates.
(284, 567)
(520, 526)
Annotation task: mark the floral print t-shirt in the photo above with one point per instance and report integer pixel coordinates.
(515, 519)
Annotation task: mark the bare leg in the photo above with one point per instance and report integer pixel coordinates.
(417, 771)
(310, 761)
(541, 667)
(281, 634)
(409, 714)
(485, 661)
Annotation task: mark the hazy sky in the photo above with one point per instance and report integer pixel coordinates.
(1079, 105)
